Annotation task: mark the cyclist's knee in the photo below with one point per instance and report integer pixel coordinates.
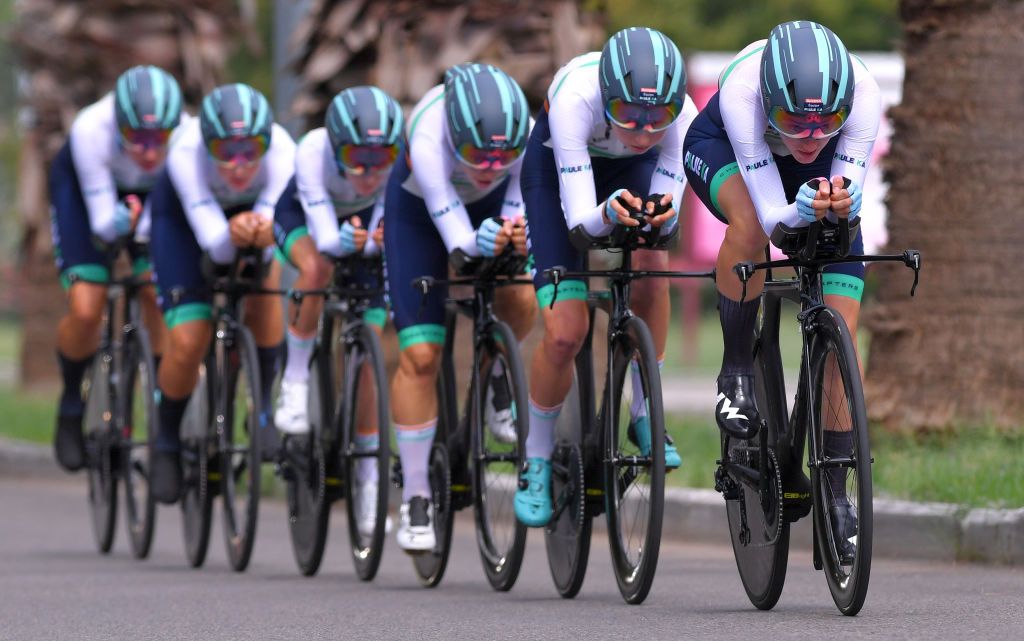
(746, 238)
(188, 343)
(85, 306)
(565, 329)
(420, 361)
(517, 306)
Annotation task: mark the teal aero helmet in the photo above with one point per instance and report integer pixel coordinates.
(642, 66)
(235, 111)
(147, 97)
(806, 72)
(364, 116)
(485, 109)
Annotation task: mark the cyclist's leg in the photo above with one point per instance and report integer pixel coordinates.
(713, 174)
(264, 315)
(177, 266)
(78, 330)
(413, 248)
(367, 435)
(566, 320)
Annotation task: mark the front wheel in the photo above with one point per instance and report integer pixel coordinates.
(840, 463)
(367, 449)
(198, 450)
(137, 438)
(101, 451)
(634, 460)
(430, 566)
(496, 458)
(239, 402)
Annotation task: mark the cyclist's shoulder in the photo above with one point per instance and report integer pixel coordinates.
(429, 109)
(577, 80)
(744, 70)
(96, 120)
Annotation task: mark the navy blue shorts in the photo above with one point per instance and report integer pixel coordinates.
(546, 229)
(413, 248)
(177, 258)
(290, 225)
(77, 256)
(709, 160)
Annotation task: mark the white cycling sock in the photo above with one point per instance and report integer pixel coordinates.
(299, 351)
(414, 443)
(366, 467)
(638, 408)
(540, 441)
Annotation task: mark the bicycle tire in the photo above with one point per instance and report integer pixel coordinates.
(500, 537)
(100, 447)
(430, 566)
(634, 554)
(198, 451)
(364, 363)
(240, 464)
(762, 561)
(139, 403)
(832, 337)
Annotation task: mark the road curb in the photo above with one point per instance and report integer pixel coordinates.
(903, 529)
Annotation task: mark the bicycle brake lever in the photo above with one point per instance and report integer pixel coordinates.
(554, 274)
(423, 283)
(912, 259)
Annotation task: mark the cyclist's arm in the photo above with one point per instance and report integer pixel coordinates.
(853, 151)
(512, 203)
(570, 129)
(204, 213)
(91, 146)
(316, 201)
(279, 163)
(431, 169)
(745, 123)
(669, 177)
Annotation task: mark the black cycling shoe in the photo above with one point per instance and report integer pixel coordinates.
(843, 518)
(735, 410)
(270, 443)
(69, 443)
(165, 476)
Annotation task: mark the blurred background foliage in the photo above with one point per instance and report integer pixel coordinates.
(729, 25)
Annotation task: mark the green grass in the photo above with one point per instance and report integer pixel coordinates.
(26, 417)
(10, 341)
(975, 467)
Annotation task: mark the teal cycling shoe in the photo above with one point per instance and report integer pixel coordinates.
(533, 498)
(639, 434)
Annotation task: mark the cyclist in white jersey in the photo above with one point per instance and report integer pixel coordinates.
(99, 183)
(457, 194)
(614, 121)
(334, 207)
(790, 109)
(224, 176)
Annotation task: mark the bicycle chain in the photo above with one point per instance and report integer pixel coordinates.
(778, 504)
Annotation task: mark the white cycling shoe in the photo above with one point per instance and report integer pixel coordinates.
(498, 411)
(291, 416)
(416, 526)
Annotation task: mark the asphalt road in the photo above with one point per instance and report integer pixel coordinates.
(54, 585)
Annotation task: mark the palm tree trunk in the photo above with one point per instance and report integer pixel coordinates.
(954, 355)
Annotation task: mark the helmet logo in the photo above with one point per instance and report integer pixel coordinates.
(375, 132)
(813, 104)
(648, 94)
(149, 117)
(238, 124)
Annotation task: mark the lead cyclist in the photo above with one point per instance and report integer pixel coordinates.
(790, 109)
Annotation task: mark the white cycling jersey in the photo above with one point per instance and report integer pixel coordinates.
(439, 179)
(580, 130)
(204, 195)
(328, 198)
(754, 141)
(104, 168)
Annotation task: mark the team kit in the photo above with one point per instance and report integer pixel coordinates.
(469, 175)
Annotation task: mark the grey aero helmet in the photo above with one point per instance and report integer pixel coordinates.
(147, 97)
(642, 66)
(485, 108)
(235, 110)
(363, 116)
(806, 70)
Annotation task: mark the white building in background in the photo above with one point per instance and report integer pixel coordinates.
(703, 70)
